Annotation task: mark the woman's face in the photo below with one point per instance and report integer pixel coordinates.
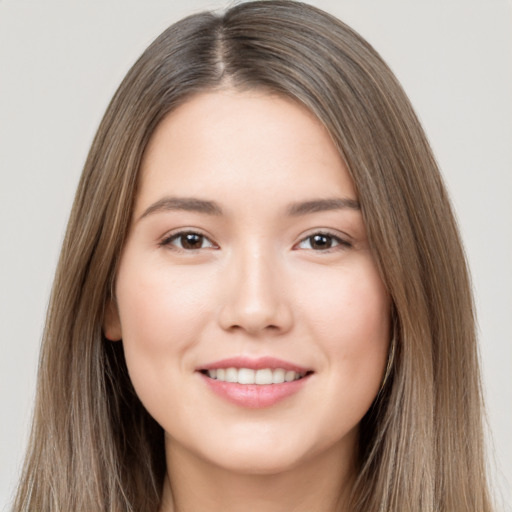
(247, 265)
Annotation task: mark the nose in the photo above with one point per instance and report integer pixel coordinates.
(256, 300)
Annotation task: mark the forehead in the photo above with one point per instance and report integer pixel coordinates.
(246, 143)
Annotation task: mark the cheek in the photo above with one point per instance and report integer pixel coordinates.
(349, 316)
(160, 305)
(162, 311)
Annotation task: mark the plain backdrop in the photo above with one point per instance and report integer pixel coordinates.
(60, 63)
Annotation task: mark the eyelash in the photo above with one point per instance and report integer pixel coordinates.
(339, 242)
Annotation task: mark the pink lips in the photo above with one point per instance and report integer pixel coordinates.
(254, 396)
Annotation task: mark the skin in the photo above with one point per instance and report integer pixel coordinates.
(254, 283)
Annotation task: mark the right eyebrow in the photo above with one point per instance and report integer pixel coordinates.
(189, 204)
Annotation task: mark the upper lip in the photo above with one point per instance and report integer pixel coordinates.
(255, 364)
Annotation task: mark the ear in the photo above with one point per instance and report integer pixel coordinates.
(111, 322)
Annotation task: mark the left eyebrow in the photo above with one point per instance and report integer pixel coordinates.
(322, 205)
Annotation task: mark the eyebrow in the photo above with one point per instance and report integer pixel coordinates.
(192, 204)
(322, 205)
(189, 204)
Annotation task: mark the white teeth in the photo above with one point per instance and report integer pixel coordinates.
(263, 377)
(289, 376)
(231, 375)
(246, 376)
(278, 376)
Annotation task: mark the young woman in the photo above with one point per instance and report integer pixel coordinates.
(261, 302)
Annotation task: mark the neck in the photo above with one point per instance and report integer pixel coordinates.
(320, 484)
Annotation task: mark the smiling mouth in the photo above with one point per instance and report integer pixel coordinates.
(255, 383)
(262, 377)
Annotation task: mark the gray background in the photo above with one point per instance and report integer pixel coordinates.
(60, 63)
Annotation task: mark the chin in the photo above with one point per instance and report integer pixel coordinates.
(258, 464)
(262, 455)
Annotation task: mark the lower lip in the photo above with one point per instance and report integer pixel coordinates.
(254, 396)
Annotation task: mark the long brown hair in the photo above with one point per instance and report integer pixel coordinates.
(93, 445)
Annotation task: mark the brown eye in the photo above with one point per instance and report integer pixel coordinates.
(188, 241)
(191, 241)
(322, 242)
